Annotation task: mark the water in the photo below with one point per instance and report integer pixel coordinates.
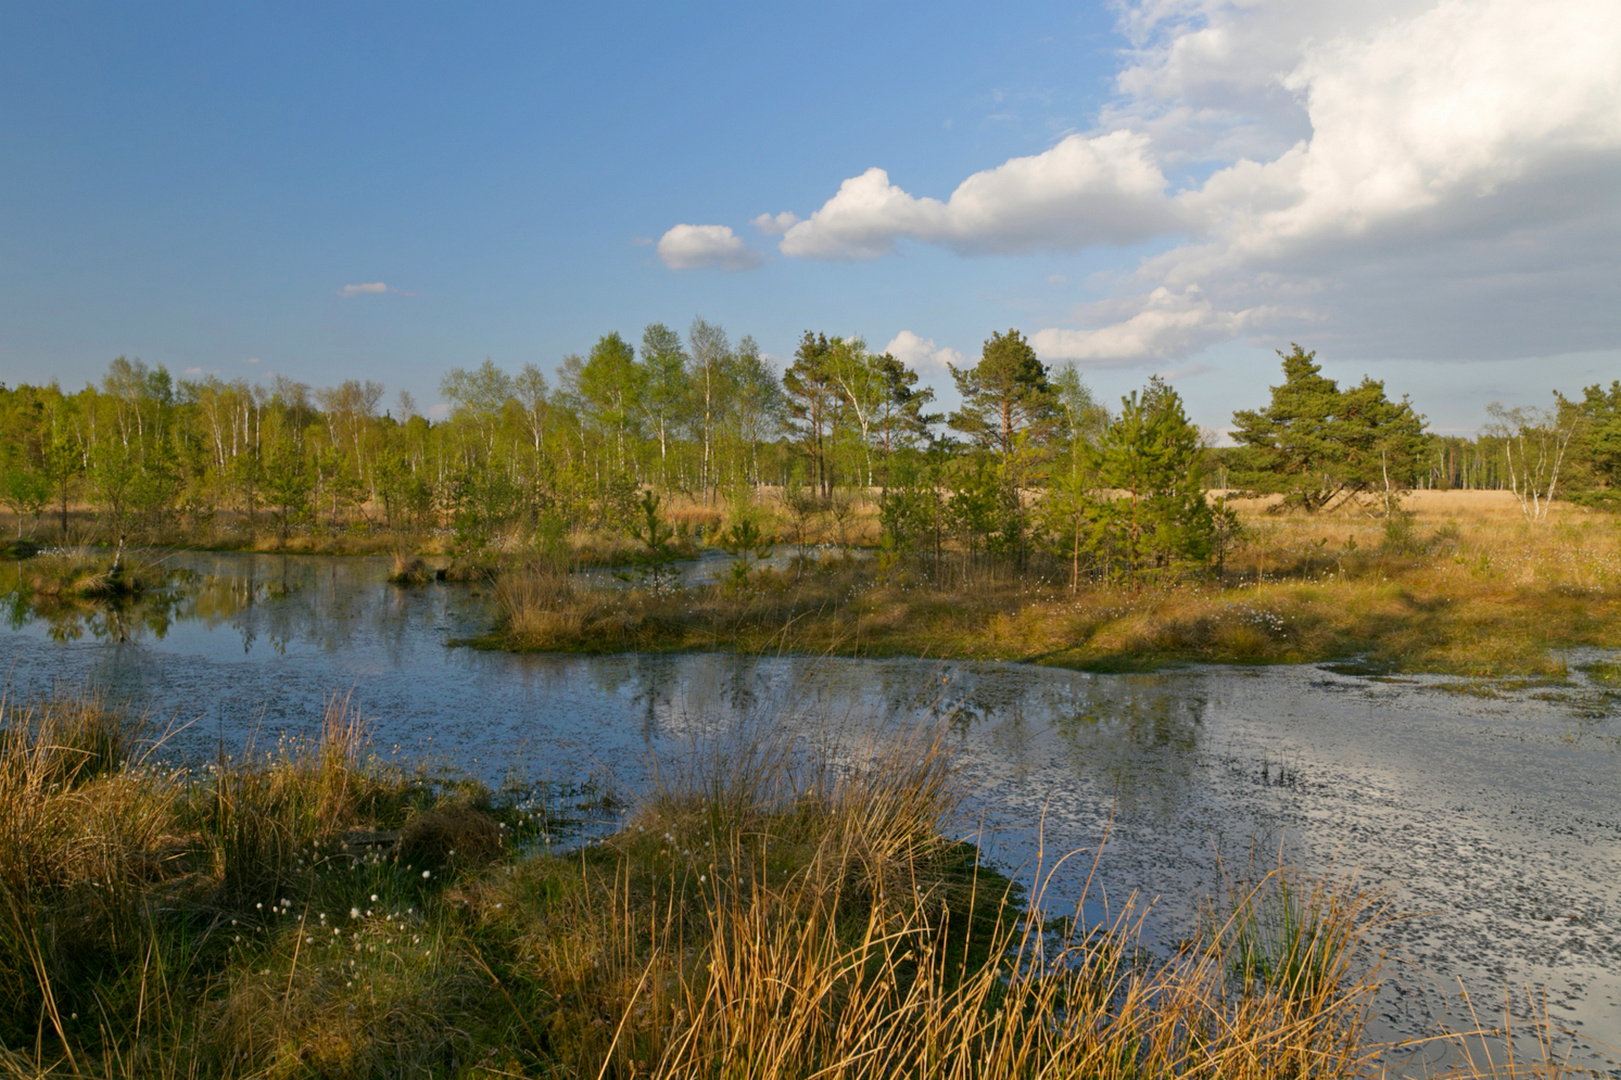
(1495, 822)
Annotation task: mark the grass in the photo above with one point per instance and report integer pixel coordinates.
(83, 575)
(765, 911)
(1464, 591)
(409, 570)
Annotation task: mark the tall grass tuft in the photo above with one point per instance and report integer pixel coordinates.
(409, 570)
(264, 817)
(815, 923)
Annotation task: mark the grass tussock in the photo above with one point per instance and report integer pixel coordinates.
(84, 576)
(409, 570)
(765, 912)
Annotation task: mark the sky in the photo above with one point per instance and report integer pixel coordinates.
(1425, 192)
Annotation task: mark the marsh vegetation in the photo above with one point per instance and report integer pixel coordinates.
(763, 911)
(1459, 583)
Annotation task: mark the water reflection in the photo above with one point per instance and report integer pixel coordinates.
(1139, 733)
(1500, 818)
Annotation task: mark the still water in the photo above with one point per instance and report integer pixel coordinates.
(1494, 821)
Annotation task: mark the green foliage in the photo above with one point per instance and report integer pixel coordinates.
(813, 405)
(24, 491)
(912, 507)
(654, 563)
(1149, 514)
(748, 545)
(1323, 445)
(1005, 396)
(1595, 452)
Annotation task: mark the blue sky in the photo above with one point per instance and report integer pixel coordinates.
(196, 185)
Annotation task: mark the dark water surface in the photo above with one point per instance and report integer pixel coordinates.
(1495, 821)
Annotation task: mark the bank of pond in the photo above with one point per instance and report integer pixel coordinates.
(782, 864)
(769, 911)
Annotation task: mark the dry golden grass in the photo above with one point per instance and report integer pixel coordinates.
(767, 912)
(1449, 588)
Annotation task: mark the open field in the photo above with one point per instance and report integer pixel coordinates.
(763, 913)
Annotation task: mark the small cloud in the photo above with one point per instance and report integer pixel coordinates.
(251, 360)
(195, 372)
(642, 241)
(439, 411)
(364, 289)
(922, 355)
(706, 247)
(775, 224)
(1057, 279)
(1187, 372)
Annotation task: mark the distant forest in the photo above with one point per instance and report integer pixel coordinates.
(1030, 459)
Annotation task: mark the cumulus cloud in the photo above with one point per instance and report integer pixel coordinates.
(365, 289)
(1161, 324)
(1452, 193)
(706, 247)
(1083, 191)
(1404, 177)
(1423, 120)
(922, 355)
(775, 224)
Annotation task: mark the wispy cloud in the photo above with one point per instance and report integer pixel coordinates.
(1187, 372)
(251, 360)
(1160, 325)
(365, 289)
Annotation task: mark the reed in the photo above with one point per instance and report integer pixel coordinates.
(771, 909)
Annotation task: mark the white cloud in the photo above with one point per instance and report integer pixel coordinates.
(706, 247)
(922, 355)
(1418, 178)
(1429, 114)
(1451, 194)
(1083, 191)
(251, 360)
(1186, 372)
(364, 289)
(775, 224)
(195, 372)
(1164, 324)
(440, 411)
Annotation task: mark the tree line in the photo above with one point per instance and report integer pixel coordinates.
(1030, 467)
